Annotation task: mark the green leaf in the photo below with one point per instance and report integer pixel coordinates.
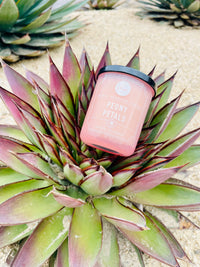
(62, 259)
(174, 194)
(178, 122)
(23, 208)
(14, 39)
(12, 234)
(9, 176)
(152, 242)
(24, 6)
(109, 254)
(21, 87)
(191, 157)
(85, 237)
(179, 145)
(98, 182)
(165, 87)
(135, 61)
(48, 40)
(38, 8)
(162, 119)
(8, 14)
(175, 246)
(120, 213)
(71, 70)
(37, 23)
(10, 190)
(14, 132)
(45, 239)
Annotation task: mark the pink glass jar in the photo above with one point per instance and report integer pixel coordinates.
(117, 110)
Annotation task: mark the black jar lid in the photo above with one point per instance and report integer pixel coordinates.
(130, 71)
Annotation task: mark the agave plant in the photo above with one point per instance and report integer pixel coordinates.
(28, 27)
(58, 195)
(176, 12)
(104, 4)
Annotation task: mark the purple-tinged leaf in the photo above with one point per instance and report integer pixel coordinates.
(188, 158)
(83, 98)
(155, 163)
(67, 200)
(67, 127)
(7, 148)
(86, 73)
(73, 173)
(124, 216)
(152, 71)
(63, 109)
(40, 166)
(147, 181)
(179, 145)
(62, 258)
(109, 254)
(66, 157)
(166, 86)
(14, 233)
(152, 109)
(106, 161)
(15, 104)
(23, 208)
(122, 176)
(105, 60)
(35, 121)
(45, 239)
(58, 135)
(13, 131)
(85, 58)
(85, 237)
(21, 87)
(173, 194)
(35, 79)
(9, 176)
(178, 122)
(81, 114)
(144, 135)
(10, 190)
(135, 61)
(50, 147)
(152, 242)
(71, 70)
(98, 182)
(60, 89)
(11, 101)
(174, 244)
(42, 94)
(162, 118)
(124, 162)
(160, 79)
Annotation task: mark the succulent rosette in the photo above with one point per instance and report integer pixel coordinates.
(29, 27)
(64, 201)
(179, 13)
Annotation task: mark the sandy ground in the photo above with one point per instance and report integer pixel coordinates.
(170, 49)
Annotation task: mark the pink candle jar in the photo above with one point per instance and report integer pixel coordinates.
(117, 110)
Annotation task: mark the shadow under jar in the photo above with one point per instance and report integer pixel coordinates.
(117, 110)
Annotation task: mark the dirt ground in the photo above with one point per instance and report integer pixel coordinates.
(170, 49)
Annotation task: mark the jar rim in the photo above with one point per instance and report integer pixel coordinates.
(130, 71)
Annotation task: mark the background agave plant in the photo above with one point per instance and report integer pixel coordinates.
(28, 27)
(177, 12)
(64, 201)
(104, 4)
